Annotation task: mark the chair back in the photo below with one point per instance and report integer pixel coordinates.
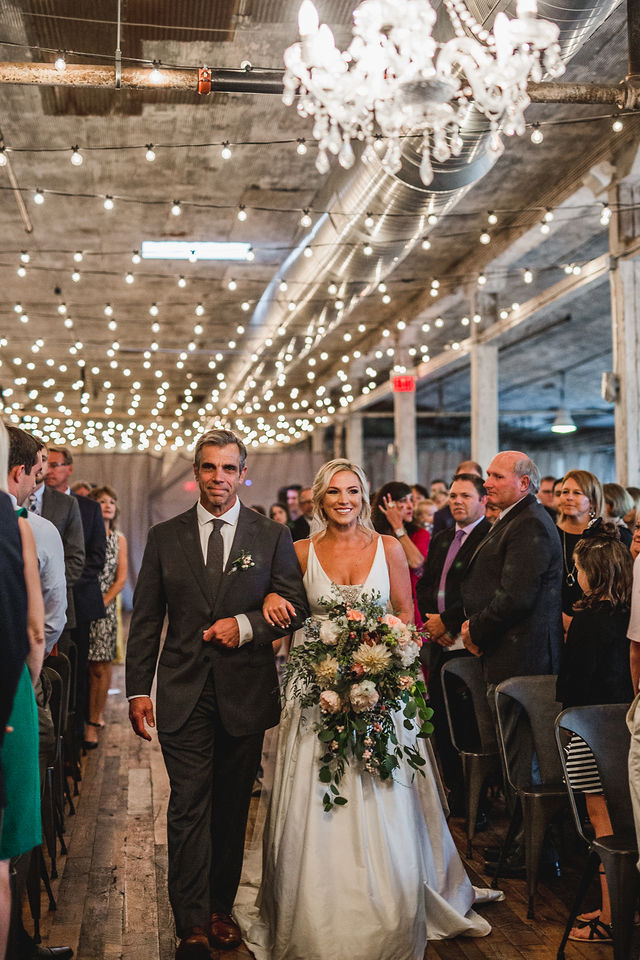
(603, 728)
(62, 665)
(55, 702)
(537, 698)
(469, 670)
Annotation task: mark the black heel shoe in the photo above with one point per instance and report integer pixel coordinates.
(91, 744)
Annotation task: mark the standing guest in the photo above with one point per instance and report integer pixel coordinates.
(87, 595)
(289, 495)
(209, 570)
(81, 488)
(419, 493)
(512, 594)
(439, 491)
(423, 514)
(439, 597)
(491, 513)
(581, 500)
(618, 505)
(630, 517)
(545, 495)
(594, 669)
(301, 528)
(103, 633)
(279, 512)
(392, 514)
(557, 490)
(634, 549)
(443, 518)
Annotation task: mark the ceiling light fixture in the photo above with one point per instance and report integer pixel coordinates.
(396, 79)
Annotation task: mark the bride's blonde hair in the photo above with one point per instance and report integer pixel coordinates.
(321, 485)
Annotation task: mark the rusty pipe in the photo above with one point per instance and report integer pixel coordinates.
(624, 95)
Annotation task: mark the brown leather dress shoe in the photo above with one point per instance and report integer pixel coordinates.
(195, 946)
(225, 932)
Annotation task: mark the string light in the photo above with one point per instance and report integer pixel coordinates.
(225, 153)
(3, 157)
(150, 155)
(426, 244)
(21, 271)
(155, 76)
(605, 216)
(75, 276)
(76, 157)
(537, 135)
(176, 209)
(78, 256)
(199, 310)
(485, 237)
(548, 215)
(617, 126)
(284, 286)
(527, 276)
(250, 255)
(242, 213)
(60, 63)
(481, 280)
(108, 203)
(301, 147)
(369, 221)
(129, 277)
(25, 257)
(367, 249)
(153, 310)
(108, 310)
(38, 197)
(305, 219)
(181, 281)
(432, 219)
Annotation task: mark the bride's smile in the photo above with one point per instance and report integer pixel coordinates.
(343, 499)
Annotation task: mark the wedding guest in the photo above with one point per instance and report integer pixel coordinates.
(545, 493)
(581, 500)
(289, 495)
(279, 512)
(392, 514)
(635, 541)
(259, 509)
(81, 488)
(630, 517)
(103, 633)
(594, 669)
(424, 512)
(443, 518)
(618, 504)
(492, 513)
(439, 491)
(557, 490)
(301, 528)
(419, 493)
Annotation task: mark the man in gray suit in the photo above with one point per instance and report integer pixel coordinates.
(210, 569)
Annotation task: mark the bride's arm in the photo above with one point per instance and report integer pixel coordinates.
(400, 584)
(275, 609)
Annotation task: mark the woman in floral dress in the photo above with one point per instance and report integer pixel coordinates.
(103, 634)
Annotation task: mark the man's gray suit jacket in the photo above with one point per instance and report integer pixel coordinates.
(512, 594)
(173, 580)
(63, 512)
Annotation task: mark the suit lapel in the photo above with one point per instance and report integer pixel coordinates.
(190, 540)
(242, 541)
(500, 525)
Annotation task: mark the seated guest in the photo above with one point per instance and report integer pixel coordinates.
(392, 514)
(581, 500)
(618, 505)
(594, 668)
(301, 527)
(440, 605)
(279, 512)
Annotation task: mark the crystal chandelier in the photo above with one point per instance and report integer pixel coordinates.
(395, 80)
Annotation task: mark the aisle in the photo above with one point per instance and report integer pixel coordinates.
(112, 898)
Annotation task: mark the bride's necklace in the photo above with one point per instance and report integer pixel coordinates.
(570, 577)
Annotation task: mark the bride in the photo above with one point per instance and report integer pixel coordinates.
(378, 877)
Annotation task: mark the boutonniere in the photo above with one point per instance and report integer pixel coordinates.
(243, 562)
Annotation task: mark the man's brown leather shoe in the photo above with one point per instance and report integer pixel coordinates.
(225, 932)
(195, 946)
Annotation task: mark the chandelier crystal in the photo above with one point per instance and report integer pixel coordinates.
(395, 80)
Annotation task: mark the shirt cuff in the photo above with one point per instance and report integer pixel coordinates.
(245, 629)
(136, 696)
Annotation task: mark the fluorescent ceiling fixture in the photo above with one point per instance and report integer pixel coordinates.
(184, 250)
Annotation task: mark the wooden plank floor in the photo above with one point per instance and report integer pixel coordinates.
(112, 898)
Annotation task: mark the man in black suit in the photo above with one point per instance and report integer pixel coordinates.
(512, 589)
(217, 691)
(443, 518)
(301, 527)
(87, 595)
(439, 598)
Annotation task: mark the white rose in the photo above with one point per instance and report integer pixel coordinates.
(363, 696)
(403, 635)
(330, 701)
(408, 653)
(329, 632)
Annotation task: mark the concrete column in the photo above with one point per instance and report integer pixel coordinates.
(484, 403)
(354, 446)
(625, 318)
(404, 422)
(317, 439)
(338, 437)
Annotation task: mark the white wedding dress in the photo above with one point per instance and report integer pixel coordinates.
(372, 880)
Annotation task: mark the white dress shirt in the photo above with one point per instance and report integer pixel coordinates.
(228, 532)
(36, 497)
(52, 579)
(633, 630)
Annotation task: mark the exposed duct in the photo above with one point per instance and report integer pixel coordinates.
(339, 237)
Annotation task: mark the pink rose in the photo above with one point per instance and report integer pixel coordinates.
(330, 701)
(392, 621)
(355, 615)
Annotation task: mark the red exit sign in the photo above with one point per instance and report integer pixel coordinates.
(404, 384)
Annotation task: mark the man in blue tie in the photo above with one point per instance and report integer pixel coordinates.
(439, 599)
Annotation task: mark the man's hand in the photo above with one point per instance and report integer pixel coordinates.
(141, 712)
(468, 642)
(224, 633)
(434, 625)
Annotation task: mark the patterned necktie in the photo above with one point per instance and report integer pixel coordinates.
(215, 557)
(454, 546)
(33, 503)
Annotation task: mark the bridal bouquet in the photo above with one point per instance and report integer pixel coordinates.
(360, 665)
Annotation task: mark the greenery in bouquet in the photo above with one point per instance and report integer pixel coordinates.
(360, 665)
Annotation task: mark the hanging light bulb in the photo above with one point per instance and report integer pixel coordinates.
(492, 218)
(432, 219)
(605, 216)
(25, 257)
(426, 244)
(199, 311)
(527, 276)
(60, 63)
(481, 280)
(250, 255)
(548, 215)
(225, 153)
(284, 286)
(617, 126)
(129, 277)
(21, 271)
(76, 157)
(181, 281)
(78, 256)
(193, 256)
(246, 306)
(367, 249)
(136, 258)
(301, 148)
(108, 310)
(232, 285)
(153, 310)
(537, 135)
(150, 155)
(75, 276)
(369, 221)
(155, 76)
(305, 219)
(38, 196)
(3, 157)
(242, 213)
(544, 227)
(108, 203)
(485, 237)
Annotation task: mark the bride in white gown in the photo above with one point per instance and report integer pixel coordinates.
(376, 878)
